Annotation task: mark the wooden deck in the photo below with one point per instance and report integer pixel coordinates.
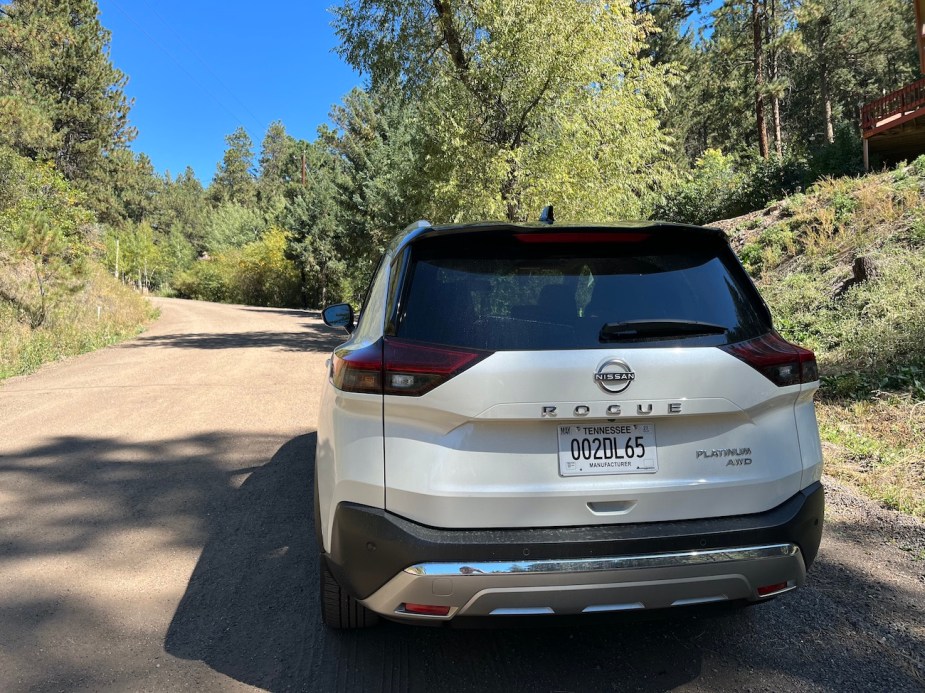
(893, 126)
(894, 109)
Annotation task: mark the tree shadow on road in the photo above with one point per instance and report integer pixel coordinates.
(292, 312)
(312, 339)
(82, 510)
(250, 611)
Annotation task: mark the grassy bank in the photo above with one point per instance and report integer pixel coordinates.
(843, 268)
(100, 313)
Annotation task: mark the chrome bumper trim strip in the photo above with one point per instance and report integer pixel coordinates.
(588, 565)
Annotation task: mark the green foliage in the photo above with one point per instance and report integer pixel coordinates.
(316, 241)
(182, 208)
(234, 180)
(265, 276)
(45, 238)
(718, 187)
(280, 166)
(818, 60)
(918, 166)
(231, 225)
(840, 157)
(372, 175)
(62, 98)
(207, 280)
(138, 255)
(522, 102)
(259, 273)
(707, 193)
(130, 191)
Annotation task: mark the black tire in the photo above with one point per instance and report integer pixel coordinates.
(338, 609)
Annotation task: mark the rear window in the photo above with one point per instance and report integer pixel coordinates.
(497, 292)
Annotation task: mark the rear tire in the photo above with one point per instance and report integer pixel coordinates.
(338, 609)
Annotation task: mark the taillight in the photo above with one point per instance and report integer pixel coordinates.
(397, 367)
(778, 360)
(359, 370)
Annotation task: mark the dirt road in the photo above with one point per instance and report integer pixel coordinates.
(155, 534)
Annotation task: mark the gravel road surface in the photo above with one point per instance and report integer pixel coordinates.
(155, 535)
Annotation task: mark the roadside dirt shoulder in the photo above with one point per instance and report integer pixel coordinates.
(878, 556)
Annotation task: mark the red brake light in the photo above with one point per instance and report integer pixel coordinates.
(414, 369)
(778, 360)
(582, 237)
(397, 367)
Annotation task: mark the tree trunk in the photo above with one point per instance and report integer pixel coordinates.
(509, 194)
(778, 130)
(775, 74)
(826, 103)
(759, 79)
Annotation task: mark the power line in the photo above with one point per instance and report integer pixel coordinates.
(179, 63)
(192, 51)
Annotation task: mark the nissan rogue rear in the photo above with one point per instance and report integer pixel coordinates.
(547, 419)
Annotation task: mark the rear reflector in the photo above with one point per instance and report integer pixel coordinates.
(425, 609)
(778, 360)
(771, 589)
(398, 367)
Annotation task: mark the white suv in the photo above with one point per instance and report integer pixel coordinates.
(549, 419)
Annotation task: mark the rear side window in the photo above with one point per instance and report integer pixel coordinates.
(498, 292)
(369, 326)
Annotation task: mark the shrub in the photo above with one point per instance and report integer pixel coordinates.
(719, 187)
(257, 274)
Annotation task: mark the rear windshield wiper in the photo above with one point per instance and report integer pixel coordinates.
(645, 329)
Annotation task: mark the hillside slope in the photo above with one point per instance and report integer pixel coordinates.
(843, 269)
(95, 311)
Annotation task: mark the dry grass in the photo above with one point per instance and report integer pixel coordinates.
(102, 312)
(879, 447)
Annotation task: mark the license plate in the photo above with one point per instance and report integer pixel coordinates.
(592, 449)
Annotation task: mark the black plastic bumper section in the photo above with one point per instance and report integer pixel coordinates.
(369, 545)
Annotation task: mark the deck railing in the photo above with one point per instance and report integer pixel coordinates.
(894, 108)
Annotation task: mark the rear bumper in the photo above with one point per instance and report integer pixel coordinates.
(585, 586)
(385, 560)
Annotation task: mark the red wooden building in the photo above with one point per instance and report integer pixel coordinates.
(893, 126)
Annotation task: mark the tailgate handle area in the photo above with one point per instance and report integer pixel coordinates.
(611, 507)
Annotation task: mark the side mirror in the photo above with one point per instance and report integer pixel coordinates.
(339, 315)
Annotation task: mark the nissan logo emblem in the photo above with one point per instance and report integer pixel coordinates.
(614, 376)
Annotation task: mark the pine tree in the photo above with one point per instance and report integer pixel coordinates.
(234, 178)
(62, 99)
(280, 164)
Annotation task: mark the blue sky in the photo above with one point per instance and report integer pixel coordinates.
(198, 69)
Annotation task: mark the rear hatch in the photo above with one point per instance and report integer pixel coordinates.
(562, 377)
